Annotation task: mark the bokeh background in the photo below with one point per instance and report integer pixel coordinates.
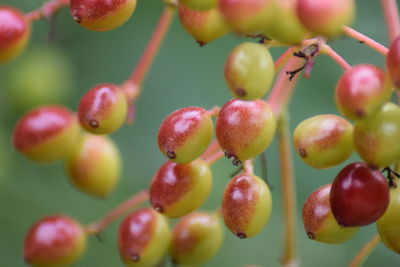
(184, 74)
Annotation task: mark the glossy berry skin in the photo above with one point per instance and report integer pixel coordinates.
(359, 195)
(249, 71)
(196, 238)
(318, 220)
(325, 17)
(14, 32)
(204, 26)
(178, 189)
(393, 62)
(56, 240)
(361, 91)
(46, 133)
(376, 139)
(102, 15)
(286, 27)
(103, 109)
(245, 129)
(185, 134)
(199, 4)
(246, 205)
(247, 16)
(143, 238)
(324, 141)
(388, 225)
(94, 165)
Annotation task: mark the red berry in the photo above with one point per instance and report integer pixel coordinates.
(14, 32)
(102, 15)
(359, 195)
(362, 90)
(393, 62)
(103, 109)
(56, 240)
(46, 133)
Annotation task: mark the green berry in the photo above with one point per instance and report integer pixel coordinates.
(199, 4)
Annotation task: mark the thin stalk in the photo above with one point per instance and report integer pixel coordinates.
(327, 50)
(283, 59)
(391, 13)
(363, 254)
(46, 10)
(365, 39)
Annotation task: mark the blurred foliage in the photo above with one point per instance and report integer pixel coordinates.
(183, 75)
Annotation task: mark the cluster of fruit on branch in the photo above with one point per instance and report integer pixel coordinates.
(244, 128)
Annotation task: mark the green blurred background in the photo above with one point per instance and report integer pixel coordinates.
(183, 75)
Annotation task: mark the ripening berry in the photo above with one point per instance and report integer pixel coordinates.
(103, 109)
(178, 189)
(376, 139)
(102, 15)
(56, 240)
(326, 17)
(204, 26)
(249, 71)
(388, 225)
(196, 238)
(199, 4)
(362, 90)
(318, 220)
(359, 195)
(324, 141)
(144, 237)
(393, 62)
(286, 27)
(185, 134)
(246, 205)
(247, 16)
(245, 129)
(46, 133)
(94, 165)
(14, 33)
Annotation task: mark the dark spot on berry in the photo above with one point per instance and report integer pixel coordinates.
(241, 235)
(94, 124)
(201, 43)
(135, 257)
(302, 152)
(77, 18)
(360, 113)
(310, 235)
(171, 154)
(233, 158)
(159, 208)
(240, 92)
(236, 162)
(372, 166)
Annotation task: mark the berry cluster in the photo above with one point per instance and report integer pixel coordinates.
(245, 127)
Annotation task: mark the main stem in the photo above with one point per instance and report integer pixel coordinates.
(363, 254)
(390, 11)
(288, 192)
(365, 39)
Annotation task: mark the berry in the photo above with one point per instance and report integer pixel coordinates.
(199, 4)
(102, 15)
(247, 16)
(178, 189)
(103, 109)
(388, 225)
(324, 141)
(359, 195)
(185, 134)
(204, 26)
(326, 17)
(249, 71)
(94, 165)
(393, 62)
(319, 223)
(361, 91)
(56, 240)
(376, 139)
(14, 33)
(196, 238)
(46, 133)
(246, 205)
(143, 238)
(245, 129)
(286, 27)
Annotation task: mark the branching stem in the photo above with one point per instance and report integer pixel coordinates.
(327, 50)
(46, 10)
(365, 39)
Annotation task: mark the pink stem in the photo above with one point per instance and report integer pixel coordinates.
(283, 59)
(46, 10)
(365, 39)
(391, 14)
(327, 50)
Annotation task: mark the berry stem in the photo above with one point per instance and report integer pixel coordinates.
(283, 59)
(248, 167)
(288, 192)
(46, 10)
(133, 84)
(391, 15)
(365, 39)
(363, 254)
(211, 150)
(214, 111)
(214, 157)
(327, 50)
(120, 210)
